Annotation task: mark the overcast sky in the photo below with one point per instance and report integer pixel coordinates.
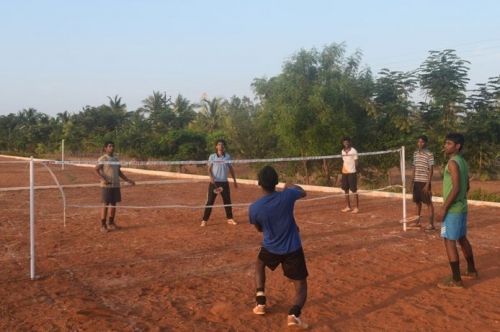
(59, 56)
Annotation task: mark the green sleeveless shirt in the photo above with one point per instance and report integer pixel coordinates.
(459, 205)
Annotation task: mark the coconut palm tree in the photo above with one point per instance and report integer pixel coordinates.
(210, 113)
(116, 105)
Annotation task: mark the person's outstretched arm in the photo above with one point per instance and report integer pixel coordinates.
(132, 182)
(297, 187)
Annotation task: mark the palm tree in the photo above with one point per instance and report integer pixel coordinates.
(63, 117)
(157, 102)
(157, 106)
(210, 113)
(116, 104)
(183, 111)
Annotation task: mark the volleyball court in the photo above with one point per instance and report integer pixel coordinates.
(160, 259)
(67, 198)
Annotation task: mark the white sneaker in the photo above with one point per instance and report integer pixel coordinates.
(346, 209)
(260, 309)
(232, 222)
(293, 321)
(356, 210)
(203, 223)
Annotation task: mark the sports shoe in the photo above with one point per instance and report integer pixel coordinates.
(470, 275)
(296, 322)
(104, 229)
(260, 309)
(203, 223)
(449, 283)
(232, 222)
(356, 210)
(346, 209)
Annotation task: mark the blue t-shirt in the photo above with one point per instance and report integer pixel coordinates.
(274, 214)
(219, 168)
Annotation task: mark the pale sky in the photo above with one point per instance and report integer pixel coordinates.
(59, 56)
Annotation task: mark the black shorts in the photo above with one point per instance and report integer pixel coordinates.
(110, 195)
(421, 196)
(350, 181)
(293, 264)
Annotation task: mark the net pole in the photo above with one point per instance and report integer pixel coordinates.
(403, 180)
(62, 154)
(32, 219)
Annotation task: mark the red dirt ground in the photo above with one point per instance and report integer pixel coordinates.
(163, 272)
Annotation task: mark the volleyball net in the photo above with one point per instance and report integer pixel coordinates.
(69, 191)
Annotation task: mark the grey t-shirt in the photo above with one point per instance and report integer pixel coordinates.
(220, 167)
(110, 171)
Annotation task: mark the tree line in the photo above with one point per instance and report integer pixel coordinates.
(320, 96)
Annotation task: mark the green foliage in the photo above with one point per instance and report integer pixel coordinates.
(240, 126)
(482, 127)
(22, 132)
(394, 110)
(319, 96)
(209, 117)
(184, 144)
(444, 77)
(482, 195)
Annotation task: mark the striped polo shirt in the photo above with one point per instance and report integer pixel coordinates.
(422, 161)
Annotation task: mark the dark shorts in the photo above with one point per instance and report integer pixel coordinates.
(350, 182)
(419, 195)
(293, 264)
(110, 195)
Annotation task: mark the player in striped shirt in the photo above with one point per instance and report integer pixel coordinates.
(423, 163)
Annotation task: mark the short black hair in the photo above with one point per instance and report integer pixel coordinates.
(456, 138)
(268, 178)
(423, 138)
(108, 143)
(220, 140)
(345, 138)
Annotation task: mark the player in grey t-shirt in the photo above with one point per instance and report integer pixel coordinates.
(108, 169)
(218, 168)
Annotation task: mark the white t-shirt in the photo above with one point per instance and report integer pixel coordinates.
(349, 159)
(220, 166)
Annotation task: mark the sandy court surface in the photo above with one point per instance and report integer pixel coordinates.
(162, 272)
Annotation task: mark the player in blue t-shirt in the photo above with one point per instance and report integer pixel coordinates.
(219, 165)
(272, 215)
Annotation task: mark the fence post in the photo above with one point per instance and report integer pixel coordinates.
(32, 219)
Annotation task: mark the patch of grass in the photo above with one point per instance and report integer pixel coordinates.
(482, 195)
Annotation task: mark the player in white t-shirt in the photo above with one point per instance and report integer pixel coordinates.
(349, 175)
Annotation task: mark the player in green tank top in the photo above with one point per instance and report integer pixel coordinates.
(454, 213)
(459, 204)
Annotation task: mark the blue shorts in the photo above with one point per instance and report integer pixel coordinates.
(454, 226)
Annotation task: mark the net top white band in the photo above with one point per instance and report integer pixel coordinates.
(205, 162)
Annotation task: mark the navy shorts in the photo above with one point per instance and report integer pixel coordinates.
(110, 195)
(421, 196)
(350, 182)
(293, 264)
